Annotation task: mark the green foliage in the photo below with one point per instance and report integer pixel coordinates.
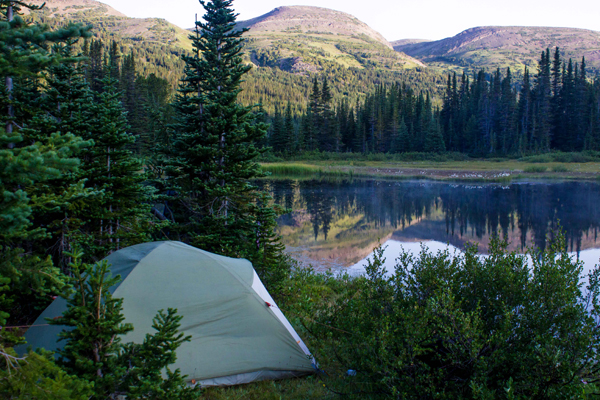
(35, 376)
(145, 362)
(120, 217)
(28, 162)
(463, 326)
(535, 169)
(207, 165)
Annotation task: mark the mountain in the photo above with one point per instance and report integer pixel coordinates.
(403, 42)
(303, 39)
(72, 8)
(315, 20)
(104, 18)
(505, 46)
(288, 47)
(156, 44)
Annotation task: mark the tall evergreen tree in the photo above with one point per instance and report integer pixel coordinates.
(213, 155)
(289, 130)
(119, 218)
(277, 139)
(26, 162)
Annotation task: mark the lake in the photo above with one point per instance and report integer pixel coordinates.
(336, 224)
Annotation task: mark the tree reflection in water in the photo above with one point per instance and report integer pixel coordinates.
(334, 218)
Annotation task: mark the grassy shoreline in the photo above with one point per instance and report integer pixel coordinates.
(502, 171)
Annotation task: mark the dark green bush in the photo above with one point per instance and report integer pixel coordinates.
(465, 327)
(325, 156)
(535, 169)
(560, 168)
(558, 156)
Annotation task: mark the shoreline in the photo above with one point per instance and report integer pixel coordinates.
(470, 171)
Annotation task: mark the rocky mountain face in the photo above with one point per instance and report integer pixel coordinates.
(505, 46)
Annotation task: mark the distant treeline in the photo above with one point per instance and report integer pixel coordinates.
(558, 108)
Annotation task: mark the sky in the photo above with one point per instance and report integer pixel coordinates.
(397, 19)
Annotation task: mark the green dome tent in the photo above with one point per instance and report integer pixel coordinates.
(238, 333)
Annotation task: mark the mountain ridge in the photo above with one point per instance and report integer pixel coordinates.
(309, 19)
(506, 46)
(303, 39)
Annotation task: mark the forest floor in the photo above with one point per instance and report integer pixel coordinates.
(475, 170)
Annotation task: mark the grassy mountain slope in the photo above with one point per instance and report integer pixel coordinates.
(302, 39)
(288, 47)
(156, 43)
(507, 46)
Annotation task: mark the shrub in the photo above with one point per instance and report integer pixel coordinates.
(535, 169)
(559, 168)
(36, 376)
(465, 327)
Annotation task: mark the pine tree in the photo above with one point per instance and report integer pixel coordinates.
(95, 68)
(434, 141)
(27, 163)
(313, 132)
(64, 107)
(119, 218)
(542, 103)
(400, 141)
(213, 156)
(97, 323)
(288, 129)
(146, 362)
(277, 139)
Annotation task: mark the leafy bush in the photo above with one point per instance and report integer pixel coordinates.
(464, 327)
(535, 169)
(558, 156)
(560, 168)
(35, 376)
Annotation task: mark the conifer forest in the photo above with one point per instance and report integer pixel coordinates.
(107, 143)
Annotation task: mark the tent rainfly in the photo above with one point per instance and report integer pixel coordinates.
(239, 335)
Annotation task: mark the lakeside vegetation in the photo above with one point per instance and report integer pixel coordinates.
(577, 166)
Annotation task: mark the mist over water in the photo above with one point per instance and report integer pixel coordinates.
(336, 224)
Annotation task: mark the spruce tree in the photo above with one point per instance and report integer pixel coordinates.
(64, 107)
(288, 129)
(119, 218)
(214, 143)
(26, 162)
(96, 324)
(277, 137)
(434, 141)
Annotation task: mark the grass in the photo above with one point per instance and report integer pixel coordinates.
(304, 170)
(289, 389)
(476, 170)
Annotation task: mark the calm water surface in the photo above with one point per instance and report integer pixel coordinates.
(336, 224)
